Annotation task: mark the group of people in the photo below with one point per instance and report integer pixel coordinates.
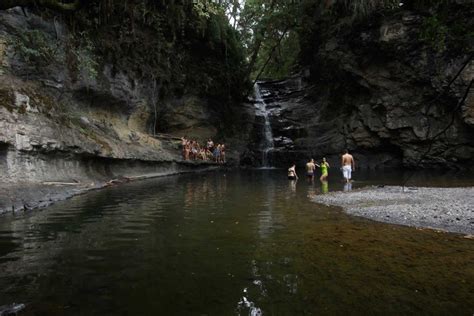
(347, 166)
(192, 150)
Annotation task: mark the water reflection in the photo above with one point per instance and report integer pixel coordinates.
(292, 185)
(347, 186)
(324, 186)
(222, 244)
(206, 190)
(311, 190)
(266, 215)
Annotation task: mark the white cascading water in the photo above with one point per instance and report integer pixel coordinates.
(267, 142)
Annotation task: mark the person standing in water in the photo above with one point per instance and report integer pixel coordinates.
(222, 153)
(217, 153)
(324, 170)
(292, 173)
(348, 165)
(310, 168)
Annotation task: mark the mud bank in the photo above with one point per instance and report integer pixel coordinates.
(448, 209)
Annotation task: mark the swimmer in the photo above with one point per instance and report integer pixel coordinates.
(324, 170)
(310, 168)
(292, 173)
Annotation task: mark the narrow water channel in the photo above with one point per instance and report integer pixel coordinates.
(228, 243)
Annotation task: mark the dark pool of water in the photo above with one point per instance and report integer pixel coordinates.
(235, 243)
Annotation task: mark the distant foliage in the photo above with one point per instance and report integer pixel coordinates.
(434, 32)
(35, 48)
(447, 26)
(185, 46)
(273, 31)
(206, 9)
(83, 60)
(364, 8)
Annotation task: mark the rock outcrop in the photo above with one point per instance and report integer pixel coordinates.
(380, 92)
(68, 126)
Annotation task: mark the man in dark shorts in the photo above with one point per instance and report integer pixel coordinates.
(310, 169)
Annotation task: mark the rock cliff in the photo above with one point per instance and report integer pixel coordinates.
(74, 110)
(381, 92)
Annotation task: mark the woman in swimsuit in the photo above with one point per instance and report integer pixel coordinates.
(292, 173)
(324, 170)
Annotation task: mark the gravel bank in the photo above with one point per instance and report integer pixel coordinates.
(449, 209)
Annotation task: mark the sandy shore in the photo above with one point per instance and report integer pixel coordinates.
(449, 209)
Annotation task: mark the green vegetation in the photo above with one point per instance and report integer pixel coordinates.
(35, 48)
(184, 47)
(434, 33)
(274, 32)
(217, 48)
(82, 61)
(178, 46)
(445, 28)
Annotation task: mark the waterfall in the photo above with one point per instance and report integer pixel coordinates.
(267, 141)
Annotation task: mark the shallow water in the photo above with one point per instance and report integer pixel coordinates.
(235, 243)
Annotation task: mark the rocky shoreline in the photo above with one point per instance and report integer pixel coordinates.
(17, 197)
(447, 209)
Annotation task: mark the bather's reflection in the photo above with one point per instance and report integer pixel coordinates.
(324, 187)
(208, 190)
(292, 185)
(347, 186)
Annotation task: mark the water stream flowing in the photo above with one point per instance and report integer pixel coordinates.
(267, 143)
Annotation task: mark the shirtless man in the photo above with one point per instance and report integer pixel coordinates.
(348, 165)
(210, 144)
(310, 168)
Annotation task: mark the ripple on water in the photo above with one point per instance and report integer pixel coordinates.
(247, 244)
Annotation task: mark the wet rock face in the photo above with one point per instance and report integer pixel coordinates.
(379, 92)
(54, 120)
(134, 101)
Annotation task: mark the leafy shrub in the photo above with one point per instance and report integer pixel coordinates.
(86, 64)
(35, 48)
(434, 32)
